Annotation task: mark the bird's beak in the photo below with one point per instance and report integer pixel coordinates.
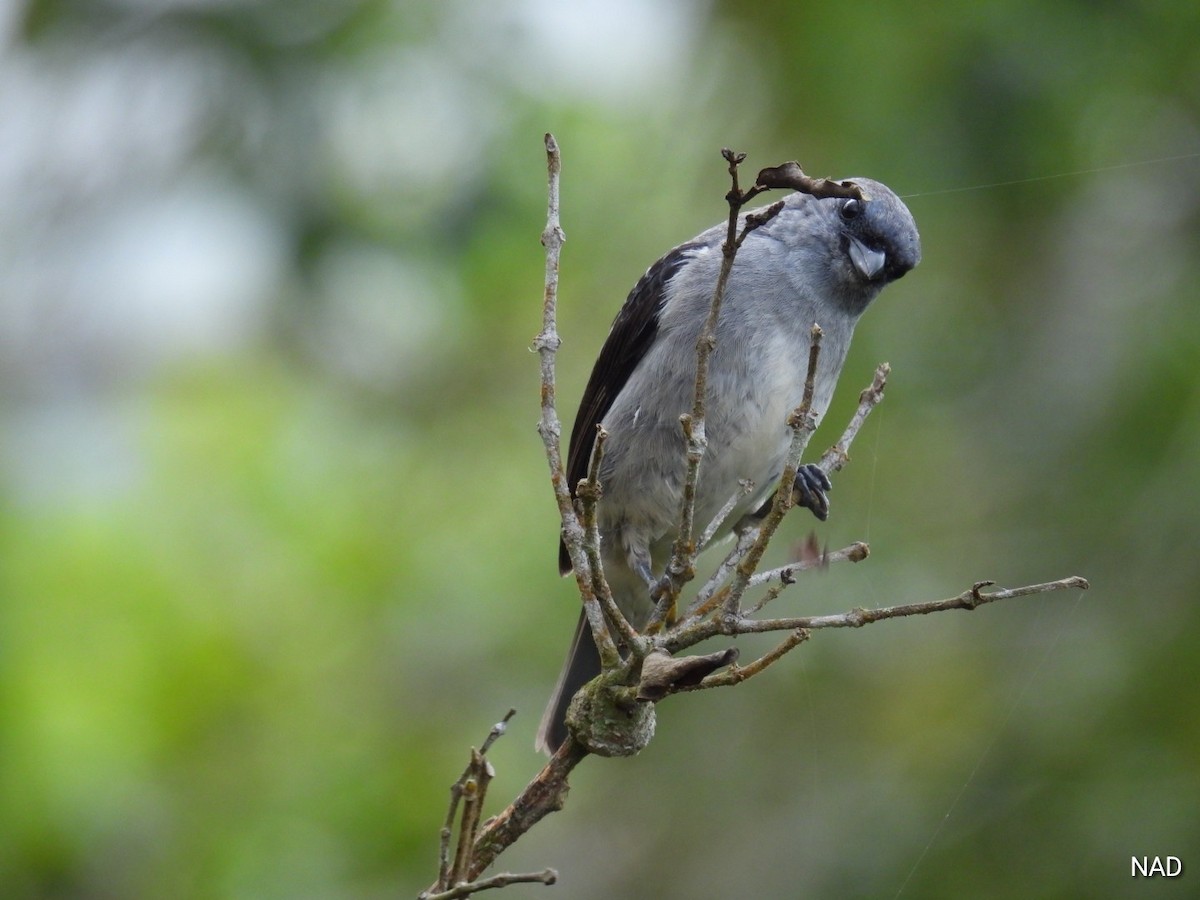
(869, 262)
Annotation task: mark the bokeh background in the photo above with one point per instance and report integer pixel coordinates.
(276, 538)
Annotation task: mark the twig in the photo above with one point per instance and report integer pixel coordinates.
(838, 455)
(745, 486)
(856, 552)
(803, 424)
(466, 889)
(745, 559)
(545, 794)
(708, 597)
(547, 343)
(681, 567)
(473, 790)
(791, 176)
(498, 731)
(736, 674)
(588, 493)
(772, 594)
(457, 790)
(856, 618)
(470, 790)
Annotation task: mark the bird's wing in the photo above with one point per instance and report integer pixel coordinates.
(628, 342)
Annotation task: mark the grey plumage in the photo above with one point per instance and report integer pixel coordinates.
(818, 261)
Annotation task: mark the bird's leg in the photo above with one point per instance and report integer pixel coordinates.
(658, 588)
(637, 557)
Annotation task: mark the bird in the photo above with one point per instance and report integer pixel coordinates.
(819, 260)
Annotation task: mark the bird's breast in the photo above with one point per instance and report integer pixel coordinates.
(749, 400)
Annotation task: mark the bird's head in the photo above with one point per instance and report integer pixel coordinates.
(877, 234)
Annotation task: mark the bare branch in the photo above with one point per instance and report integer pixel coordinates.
(664, 674)
(856, 618)
(466, 889)
(470, 790)
(736, 674)
(545, 794)
(681, 567)
(473, 789)
(498, 731)
(745, 486)
(803, 424)
(588, 493)
(547, 343)
(708, 597)
(717, 608)
(790, 175)
(838, 455)
(457, 791)
(772, 594)
(856, 552)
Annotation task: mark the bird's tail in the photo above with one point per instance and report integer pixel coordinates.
(582, 665)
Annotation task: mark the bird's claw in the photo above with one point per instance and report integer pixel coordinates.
(809, 490)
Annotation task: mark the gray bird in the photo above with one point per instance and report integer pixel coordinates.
(818, 261)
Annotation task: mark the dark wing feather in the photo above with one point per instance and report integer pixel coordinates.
(628, 341)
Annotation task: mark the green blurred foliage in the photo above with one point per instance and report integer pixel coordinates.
(270, 562)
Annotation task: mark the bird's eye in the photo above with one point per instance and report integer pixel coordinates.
(851, 209)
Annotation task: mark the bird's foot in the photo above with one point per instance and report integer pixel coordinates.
(809, 490)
